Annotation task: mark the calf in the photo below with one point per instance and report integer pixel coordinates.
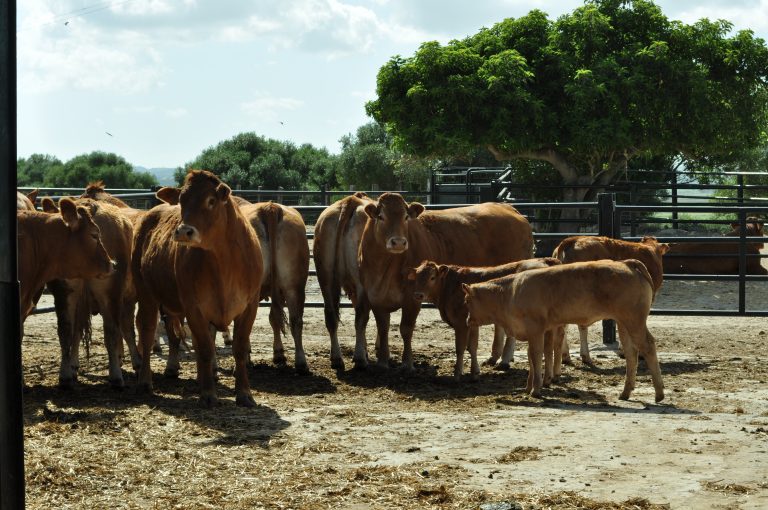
(584, 248)
(26, 202)
(201, 260)
(442, 285)
(529, 303)
(63, 245)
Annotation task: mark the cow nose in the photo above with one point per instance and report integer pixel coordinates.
(418, 296)
(397, 244)
(186, 233)
(112, 266)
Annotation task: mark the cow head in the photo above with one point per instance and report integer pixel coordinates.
(754, 229)
(659, 248)
(204, 200)
(390, 215)
(427, 280)
(87, 255)
(472, 299)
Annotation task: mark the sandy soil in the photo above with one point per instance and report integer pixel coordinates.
(388, 439)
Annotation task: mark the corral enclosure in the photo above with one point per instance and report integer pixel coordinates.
(387, 439)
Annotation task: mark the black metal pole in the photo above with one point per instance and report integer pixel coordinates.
(606, 226)
(11, 409)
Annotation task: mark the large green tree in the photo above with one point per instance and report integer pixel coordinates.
(585, 93)
(248, 161)
(47, 171)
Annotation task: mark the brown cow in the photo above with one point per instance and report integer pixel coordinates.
(200, 260)
(585, 248)
(696, 258)
(441, 284)
(398, 236)
(65, 245)
(26, 202)
(76, 300)
(285, 256)
(336, 240)
(529, 303)
(96, 191)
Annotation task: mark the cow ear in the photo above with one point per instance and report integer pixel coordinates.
(411, 276)
(169, 195)
(223, 191)
(663, 248)
(414, 210)
(734, 225)
(372, 210)
(442, 270)
(32, 195)
(69, 212)
(758, 227)
(467, 290)
(49, 205)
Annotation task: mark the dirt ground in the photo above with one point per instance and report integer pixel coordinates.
(388, 439)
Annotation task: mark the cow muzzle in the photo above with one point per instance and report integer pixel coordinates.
(109, 269)
(397, 244)
(419, 297)
(186, 234)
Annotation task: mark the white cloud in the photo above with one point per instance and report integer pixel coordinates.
(176, 113)
(268, 107)
(752, 15)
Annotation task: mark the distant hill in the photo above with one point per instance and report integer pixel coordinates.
(164, 176)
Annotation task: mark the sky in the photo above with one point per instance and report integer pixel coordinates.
(159, 81)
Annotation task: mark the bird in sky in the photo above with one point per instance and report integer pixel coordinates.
(107, 132)
(66, 23)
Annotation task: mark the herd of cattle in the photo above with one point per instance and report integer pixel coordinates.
(207, 257)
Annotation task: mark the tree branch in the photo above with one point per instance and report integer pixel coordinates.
(553, 157)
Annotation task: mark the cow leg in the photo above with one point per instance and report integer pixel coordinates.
(474, 334)
(584, 346)
(362, 314)
(647, 348)
(110, 307)
(147, 316)
(558, 341)
(630, 352)
(241, 348)
(535, 350)
(203, 344)
(174, 328)
(215, 363)
(276, 321)
(331, 310)
(566, 351)
(496, 347)
(382, 330)
(461, 332)
(407, 324)
(65, 300)
(127, 316)
(295, 302)
(548, 354)
(508, 354)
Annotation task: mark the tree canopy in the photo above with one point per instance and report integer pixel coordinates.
(248, 161)
(43, 170)
(612, 80)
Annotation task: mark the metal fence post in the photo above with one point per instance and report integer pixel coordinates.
(606, 214)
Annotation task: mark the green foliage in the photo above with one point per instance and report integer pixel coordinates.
(248, 161)
(587, 92)
(47, 171)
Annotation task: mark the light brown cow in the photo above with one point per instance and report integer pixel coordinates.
(529, 303)
(584, 248)
(65, 245)
(285, 256)
(200, 260)
(441, 284)
(26, 202)
(697, 258)
(337, 235)
(76, 300)
(97, 191)
(398, 236)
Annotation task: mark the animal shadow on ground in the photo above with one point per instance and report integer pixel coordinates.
(91, 404)
(667, 368)
(284, 380)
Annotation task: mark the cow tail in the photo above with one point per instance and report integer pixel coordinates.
(270, 216)
(640, 268)
(348, 208)
(82, 320)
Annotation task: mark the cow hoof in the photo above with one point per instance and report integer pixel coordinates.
(536, 394)
(67, 384)
(659, 396)
(360, 364)
(144, 389)
(588, 362)
(245, 400)
(490, 362)
(171, 373)
(303, 369)
(208, 401)
(279, 359)
(157, 349)
(504, 367)
(337, 364)
(624, 395)
(117, 384)
(568, 361)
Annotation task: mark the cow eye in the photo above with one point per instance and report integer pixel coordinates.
(211, 202)
(380, 217)
(94, 235)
